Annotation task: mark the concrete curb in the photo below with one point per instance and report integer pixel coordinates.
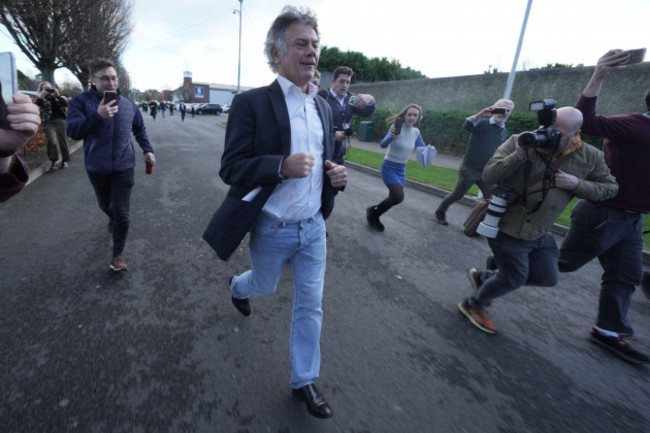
(43, 168)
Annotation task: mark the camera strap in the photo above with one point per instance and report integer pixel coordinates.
(547, 180)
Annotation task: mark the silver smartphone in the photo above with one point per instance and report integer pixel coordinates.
(9, 82)
(8, 76)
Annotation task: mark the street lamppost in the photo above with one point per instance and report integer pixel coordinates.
(235, 11)
(513, 71)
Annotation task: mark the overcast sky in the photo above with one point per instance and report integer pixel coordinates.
(439, 38)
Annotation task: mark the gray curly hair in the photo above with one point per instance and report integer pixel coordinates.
(277, 34)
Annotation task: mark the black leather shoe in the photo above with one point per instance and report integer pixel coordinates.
(373, 219)
(316, 404)
(242, 305)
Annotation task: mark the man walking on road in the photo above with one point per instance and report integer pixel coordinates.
(279, 144)
(612, 230)
(106, 127)
(488, 131)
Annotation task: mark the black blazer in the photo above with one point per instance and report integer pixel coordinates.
(258, 138)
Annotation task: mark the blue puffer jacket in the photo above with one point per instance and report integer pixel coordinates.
(107, 142)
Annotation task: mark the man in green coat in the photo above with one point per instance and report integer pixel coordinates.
(524, 250)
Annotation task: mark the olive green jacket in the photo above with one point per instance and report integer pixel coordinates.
(586, 163)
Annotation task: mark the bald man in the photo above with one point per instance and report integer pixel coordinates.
(524, 250)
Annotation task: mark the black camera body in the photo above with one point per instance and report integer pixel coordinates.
(546, 136)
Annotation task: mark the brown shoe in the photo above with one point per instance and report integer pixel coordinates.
(117, 264)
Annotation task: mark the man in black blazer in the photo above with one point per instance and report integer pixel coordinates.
(279, 142)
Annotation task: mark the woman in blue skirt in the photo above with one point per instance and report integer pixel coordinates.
(402, 137)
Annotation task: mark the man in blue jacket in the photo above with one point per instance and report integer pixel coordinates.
(106, 126)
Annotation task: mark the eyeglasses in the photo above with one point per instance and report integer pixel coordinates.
(106, 78)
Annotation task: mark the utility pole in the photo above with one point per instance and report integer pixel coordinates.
(239, 61)
(511, 76)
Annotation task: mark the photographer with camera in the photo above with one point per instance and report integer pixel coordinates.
(53, 113)
(344, 104)
(533, 191)
(488, 131)
(612, 229)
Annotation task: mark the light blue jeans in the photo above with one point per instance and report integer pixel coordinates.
(274, 243)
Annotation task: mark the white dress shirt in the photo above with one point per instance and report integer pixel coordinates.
(297, 199)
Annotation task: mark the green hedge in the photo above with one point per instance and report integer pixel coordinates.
(444, 129)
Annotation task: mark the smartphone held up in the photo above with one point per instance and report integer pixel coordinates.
(8, 83)
(635, 56)
(109, 96)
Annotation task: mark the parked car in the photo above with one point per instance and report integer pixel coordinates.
(226, 107)
(210, 109)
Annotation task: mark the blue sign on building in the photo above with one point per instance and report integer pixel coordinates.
(198, 92)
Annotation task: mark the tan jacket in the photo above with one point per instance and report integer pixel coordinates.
(586, 163)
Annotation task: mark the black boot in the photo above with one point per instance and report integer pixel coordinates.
(372, 216)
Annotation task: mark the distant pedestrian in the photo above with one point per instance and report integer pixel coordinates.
(192, 111)
(53, 113)
(171, 109)
(402, 137)
(153, 109)
(106, 129)
(182, 109)
(163, 108)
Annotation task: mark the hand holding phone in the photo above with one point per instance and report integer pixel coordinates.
(109, 96)
(398, 125)
(498, 111)
(353, 100)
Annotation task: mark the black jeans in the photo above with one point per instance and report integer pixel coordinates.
(113, 192)
(616, 238)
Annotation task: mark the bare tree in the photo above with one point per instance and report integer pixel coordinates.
(40, 28)
(67, 33)
(102, 29)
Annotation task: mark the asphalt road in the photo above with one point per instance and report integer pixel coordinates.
(161, 349)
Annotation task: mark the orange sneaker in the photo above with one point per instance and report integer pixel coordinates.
(477, 316)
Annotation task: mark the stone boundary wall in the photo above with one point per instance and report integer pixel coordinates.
(623, 91)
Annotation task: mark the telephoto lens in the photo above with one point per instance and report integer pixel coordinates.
(489, 227)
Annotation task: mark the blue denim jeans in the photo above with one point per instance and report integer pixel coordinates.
(616, 238)
(520, 262)
(113, 192)
(273, 243)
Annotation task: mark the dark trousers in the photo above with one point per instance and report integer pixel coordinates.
(57, 138)
(520, 262)
(467, 176)
(113, 192)
(616, 238)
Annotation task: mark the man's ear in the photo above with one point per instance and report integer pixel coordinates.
(275, 55)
